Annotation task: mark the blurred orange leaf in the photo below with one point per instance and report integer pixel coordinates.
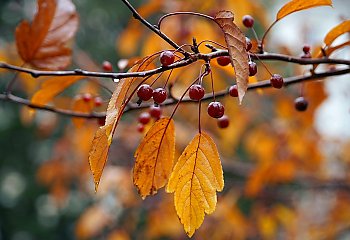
(52, 87)
(298, 5)
(81, 105)
(155, 157)
(195, 179)
(43, 43)
(236, 44)
(336, 32)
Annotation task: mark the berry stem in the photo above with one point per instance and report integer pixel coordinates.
(182, 13)
(255, 35)
(167, 80)
(212, 85)
(199, 116)
(267, 69)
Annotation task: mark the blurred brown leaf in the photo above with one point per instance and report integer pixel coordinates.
(43, 43)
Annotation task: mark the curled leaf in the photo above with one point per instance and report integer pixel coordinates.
(298, 5)
(335, 32)
(103, 137)
(195, 179)
(155, 158)
(236, 43)
(44, 42)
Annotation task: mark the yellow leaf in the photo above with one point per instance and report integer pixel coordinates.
(336, 32)
(195, 179)
(155, 158)
(52, 87)
(236, 43)
(298, 5)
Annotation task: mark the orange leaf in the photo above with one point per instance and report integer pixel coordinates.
(298, 5)
(336, 32)
(155, 158)
(236, 44)
(195, 179)
(80, 105)
(52, 87)
(103, 137)
(43, 44)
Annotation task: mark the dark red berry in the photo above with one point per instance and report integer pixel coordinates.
(249, 44)
(155, 112)
(223, 60)
(233, 91)
(301, 104)
(306, 49)
(140, 127)
(166, 58)
(107, 66)
(306, 55)
(223, 122)
(101, 121)
(159, 95)
(145, 92)
(196, 92)
(253, 69)
(144, 118)
(276, 81)
(87, 97)
(216, 109)
(98, 101)
(248, 21)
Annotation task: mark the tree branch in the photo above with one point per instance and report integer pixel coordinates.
(172, 101)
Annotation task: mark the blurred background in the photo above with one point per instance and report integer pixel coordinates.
(286, 172)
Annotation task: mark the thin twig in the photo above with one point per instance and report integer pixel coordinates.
(137, 16)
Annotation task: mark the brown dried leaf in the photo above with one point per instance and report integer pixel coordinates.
(155, 158)
(298, 5)
(43, 43)
(236, 44)
(80, 105)
(335, 32)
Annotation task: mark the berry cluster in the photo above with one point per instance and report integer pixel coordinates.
(145, 92)
(154, 112)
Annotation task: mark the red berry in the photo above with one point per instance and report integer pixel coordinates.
(87, 97)
(301, 104)
(253, 69)
(216, 109)
(196, 92)
(140, 128)
(98, 101)
(233, 91)
(144, 118)
(101, 121)
(276, 81)
(248, 21)
(155, 112)
(223, 60)
(306, 49)
(249, 44)
(223, 122)
(159, 95)
(145, 92)
(166, 58)
(107, 66)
